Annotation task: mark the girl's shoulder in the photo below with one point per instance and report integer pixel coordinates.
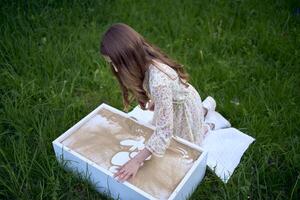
(162, 71)
(158, 75)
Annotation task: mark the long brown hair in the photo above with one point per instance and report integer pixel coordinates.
(132, 54)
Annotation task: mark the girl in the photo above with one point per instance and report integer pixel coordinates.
(160, 84)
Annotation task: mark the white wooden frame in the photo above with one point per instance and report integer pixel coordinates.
(125, 190)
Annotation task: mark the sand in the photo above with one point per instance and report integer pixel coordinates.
(99, 140)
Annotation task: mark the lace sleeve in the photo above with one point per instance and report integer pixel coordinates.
(163, 112)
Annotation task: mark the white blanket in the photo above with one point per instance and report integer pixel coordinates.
(225, 147)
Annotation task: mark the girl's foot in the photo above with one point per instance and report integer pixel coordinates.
(217, 120)
(208, 127)
(211, 126)
(209, 104)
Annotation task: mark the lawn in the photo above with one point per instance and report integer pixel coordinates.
(244, 53)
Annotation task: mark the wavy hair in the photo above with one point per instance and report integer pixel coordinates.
(132, 54)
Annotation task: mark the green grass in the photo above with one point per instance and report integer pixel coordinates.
(245, 53)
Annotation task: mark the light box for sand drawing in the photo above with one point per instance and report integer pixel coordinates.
(107, 138)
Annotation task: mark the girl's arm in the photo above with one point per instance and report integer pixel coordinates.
(161, 92)
(159, 141)
(142, 155)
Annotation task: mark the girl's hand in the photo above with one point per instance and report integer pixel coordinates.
(128, 170)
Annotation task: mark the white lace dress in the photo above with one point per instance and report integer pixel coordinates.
(178, 110)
